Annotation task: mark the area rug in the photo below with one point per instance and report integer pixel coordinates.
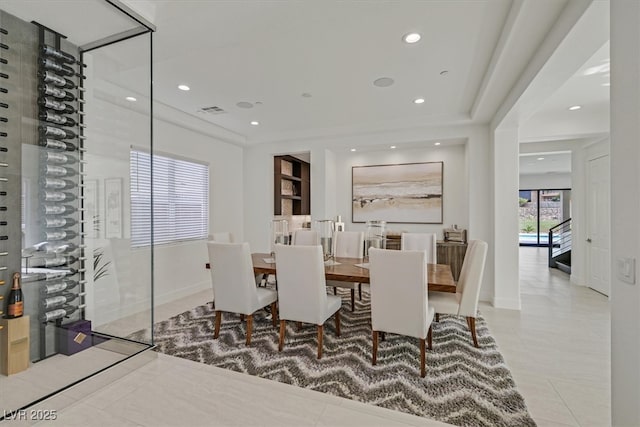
(464, 386)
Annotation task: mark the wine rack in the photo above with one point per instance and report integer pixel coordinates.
(4, 168)
(58, 262)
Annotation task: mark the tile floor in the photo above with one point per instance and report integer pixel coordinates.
(557, 348)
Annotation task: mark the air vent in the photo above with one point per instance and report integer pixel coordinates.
(213, 110)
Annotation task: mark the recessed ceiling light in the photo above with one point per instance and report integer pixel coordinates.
(131, 99)
(418, 101)
(353, 149)
(244, 104)
(393, 146)
(306, 95)
(411, 38)
(444, 72)
(437, 143)
(184, 87)
(575, 107)
(540, 158)
(383, 82)
(254, 123)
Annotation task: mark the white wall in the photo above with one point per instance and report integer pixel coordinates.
(545, 181)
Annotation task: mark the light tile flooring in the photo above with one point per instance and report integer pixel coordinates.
(557, 348)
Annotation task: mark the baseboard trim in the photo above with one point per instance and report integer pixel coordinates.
(507, 303)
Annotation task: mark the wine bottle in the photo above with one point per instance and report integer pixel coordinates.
(15, 303)
(56, 183)
(58, 68)
(58, 300)
(60, 158)
(58, 313)
(65, 248)
(59, 235)
(52, 52)
(57, 209)
(58, 170)
(59, 222)
(54, 132)
(57, 145)
(52, 104)
(48, 116)
(56, 196)
(53, 288)
(52, 262)
(50, 90)
(49, 77)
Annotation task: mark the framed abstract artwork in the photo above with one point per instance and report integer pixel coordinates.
(401, 193)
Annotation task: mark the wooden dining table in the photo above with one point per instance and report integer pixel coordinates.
(439, 276)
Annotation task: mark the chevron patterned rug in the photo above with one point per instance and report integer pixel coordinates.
(464, 385)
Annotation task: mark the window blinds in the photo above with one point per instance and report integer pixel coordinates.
(181, 199)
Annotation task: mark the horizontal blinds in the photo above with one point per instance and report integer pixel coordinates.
(181, 199)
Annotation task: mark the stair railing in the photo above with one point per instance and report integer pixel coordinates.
(559, 240)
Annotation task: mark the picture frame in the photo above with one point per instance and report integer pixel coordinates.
(410, 193)
(92, 209)
(113, 208)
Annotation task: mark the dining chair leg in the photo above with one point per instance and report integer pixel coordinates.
(249, 327)
(383, 336)
(437, 317)
(374, 356)
(423, 356)
(298, 325)
(335, 290)
(242, 317)
(353, 297)
(320, 328)
(283, 327)
(471, 321)
(274, 314)
(360, 291)
(216, 330)
(337, 315)
(429, 337)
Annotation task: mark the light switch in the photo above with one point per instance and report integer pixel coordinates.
(627, 270)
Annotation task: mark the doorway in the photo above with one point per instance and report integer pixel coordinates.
(540, 210)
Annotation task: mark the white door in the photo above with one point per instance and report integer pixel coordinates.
(598, 230)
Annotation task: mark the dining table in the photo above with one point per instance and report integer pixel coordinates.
(439, 276)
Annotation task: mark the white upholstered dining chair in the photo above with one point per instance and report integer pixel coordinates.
(302, 236)
(348, 244)
(465, 301)
(399, 297)
(221, 237)
(234, 284)
(420, 241)
(302, 292)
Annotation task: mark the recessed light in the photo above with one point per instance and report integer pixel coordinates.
(411, 38)
(575, 107)
(437, 143)
(540, 158)
(393, 146)
(444, 72)
(353, 149)
(418, 101)
(184, 87)
(244, 104)
(131, 99)
(254, 123)
(306, 95)
(383, 82)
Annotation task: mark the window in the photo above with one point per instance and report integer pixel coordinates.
(181, 199)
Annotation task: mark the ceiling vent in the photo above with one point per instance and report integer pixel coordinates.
(213, 110)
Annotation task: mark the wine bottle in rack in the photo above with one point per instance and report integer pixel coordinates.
(59, 222)
(55, 132)
(56, 144)
(60, 55)
(57, 68)
(54, 170)
(59, 235)
(54, 288)
(51, 90)
(52, 262)
(15, 302)
(52, 104)
(64, 248)
(56, 196)
(59, 158)
(48, 116)
(58, 313)
(46, 209)
(49, 77)
(56, 183)
(57, 301)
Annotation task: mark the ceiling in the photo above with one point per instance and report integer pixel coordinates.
(306, 68)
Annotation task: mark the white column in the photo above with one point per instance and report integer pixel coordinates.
(323, 184)
(505, 152)
(625, 210)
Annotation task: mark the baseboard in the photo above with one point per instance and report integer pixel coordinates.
(507, 303)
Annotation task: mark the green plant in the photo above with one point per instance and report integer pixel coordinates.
(522, 201)
(100, 267)
(528, 228)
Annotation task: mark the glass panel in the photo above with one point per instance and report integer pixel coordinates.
(66, 185)
(528, 217)
(539, 211)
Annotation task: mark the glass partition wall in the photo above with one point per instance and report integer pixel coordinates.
(75, 92)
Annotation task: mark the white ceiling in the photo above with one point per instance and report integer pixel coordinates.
(544, 163)
(269, 53)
